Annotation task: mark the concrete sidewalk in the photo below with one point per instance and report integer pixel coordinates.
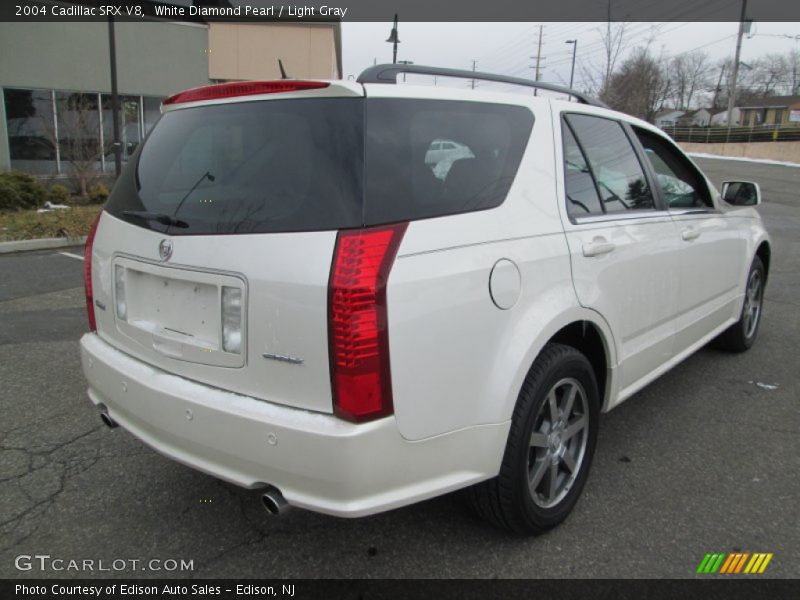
(40, 244)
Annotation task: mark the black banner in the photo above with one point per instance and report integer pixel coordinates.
(228, 589)
(409, 10)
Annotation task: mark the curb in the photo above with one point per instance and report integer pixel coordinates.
(40, 244)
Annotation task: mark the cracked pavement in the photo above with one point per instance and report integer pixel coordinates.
(702, 460)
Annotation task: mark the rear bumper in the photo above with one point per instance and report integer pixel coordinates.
(319, 462)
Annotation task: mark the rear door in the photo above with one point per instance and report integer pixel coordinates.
(213, 257)
(621, 243)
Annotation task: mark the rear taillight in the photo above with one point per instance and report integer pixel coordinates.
(87, 272)
(357, 323)
(243, 88)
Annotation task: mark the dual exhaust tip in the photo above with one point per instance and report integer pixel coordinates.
(272, 498)
(107, 420)
(274, 502)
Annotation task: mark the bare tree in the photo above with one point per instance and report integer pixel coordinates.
(596, 73)
(746, 90)
(794, 64)
(688, 74)
(78, 138)
(772, 75)
(640, 85)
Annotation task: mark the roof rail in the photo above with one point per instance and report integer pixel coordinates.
(389, 73)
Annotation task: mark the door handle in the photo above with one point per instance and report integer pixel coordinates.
(597, 247)
(689, 234)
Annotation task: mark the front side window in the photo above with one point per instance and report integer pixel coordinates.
(681, 185)
(618, 175)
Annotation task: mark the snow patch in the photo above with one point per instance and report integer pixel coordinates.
(764, 161)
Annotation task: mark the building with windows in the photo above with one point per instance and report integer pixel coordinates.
(667, 117)
(55, 110)
(775, 111)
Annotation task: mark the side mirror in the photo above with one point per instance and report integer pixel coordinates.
(741, 193)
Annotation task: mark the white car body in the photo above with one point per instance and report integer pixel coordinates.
(674, 280)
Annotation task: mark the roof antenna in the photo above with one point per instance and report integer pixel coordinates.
(283, 71)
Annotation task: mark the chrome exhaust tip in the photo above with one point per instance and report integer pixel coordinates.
(274, 502)
(108, 421)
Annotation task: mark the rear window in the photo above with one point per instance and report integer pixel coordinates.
(427, 158)
(299, 165)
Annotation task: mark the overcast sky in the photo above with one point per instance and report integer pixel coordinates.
(507, 48)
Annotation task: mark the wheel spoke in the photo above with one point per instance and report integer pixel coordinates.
(573, 391)
(569, 462)
(552, 484)
(575, 426)
(538, 439)
(539, 470)
(551, 400)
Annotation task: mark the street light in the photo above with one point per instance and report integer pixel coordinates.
(574, 50)
(393, 39)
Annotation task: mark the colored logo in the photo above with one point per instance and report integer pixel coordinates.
(734, 563)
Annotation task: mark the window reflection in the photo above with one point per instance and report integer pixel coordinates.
(52, 131)
(618, 174)
(31, 130)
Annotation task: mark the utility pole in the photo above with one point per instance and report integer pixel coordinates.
(474, 62)
(572, 70)
(112, 57)
(735, 74)
(718, 89)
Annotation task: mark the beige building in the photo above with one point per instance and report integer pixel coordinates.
(247, 51)
(783, 111)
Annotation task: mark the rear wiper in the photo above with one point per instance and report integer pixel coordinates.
(157, 217)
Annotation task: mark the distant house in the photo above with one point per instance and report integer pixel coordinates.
(783, 111)
(667, 117)
(695, 118)
(720, 118)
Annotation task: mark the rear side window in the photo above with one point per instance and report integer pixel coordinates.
(320, 164)
(618, 175)
(582, 196)
(428, 158)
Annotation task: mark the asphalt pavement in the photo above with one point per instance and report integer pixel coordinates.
(705, 459)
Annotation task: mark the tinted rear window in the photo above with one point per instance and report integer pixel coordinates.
(299, 165)
(428, 158)
(248, 167)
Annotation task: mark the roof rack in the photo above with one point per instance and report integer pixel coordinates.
(389, 73)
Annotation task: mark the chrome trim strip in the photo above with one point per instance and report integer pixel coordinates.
(694, 211)
(622, 216)
(292, 360)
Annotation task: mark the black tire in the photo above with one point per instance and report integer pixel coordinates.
(741, 336)
(507, 500)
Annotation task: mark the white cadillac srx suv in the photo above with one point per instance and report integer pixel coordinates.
(290, 288)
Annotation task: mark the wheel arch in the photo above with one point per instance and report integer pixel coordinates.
(586, 337)
(588, 332)
(764, 252)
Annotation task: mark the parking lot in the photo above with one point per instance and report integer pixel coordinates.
(705, 459)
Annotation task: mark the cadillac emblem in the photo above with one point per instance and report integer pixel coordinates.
(165, 250)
